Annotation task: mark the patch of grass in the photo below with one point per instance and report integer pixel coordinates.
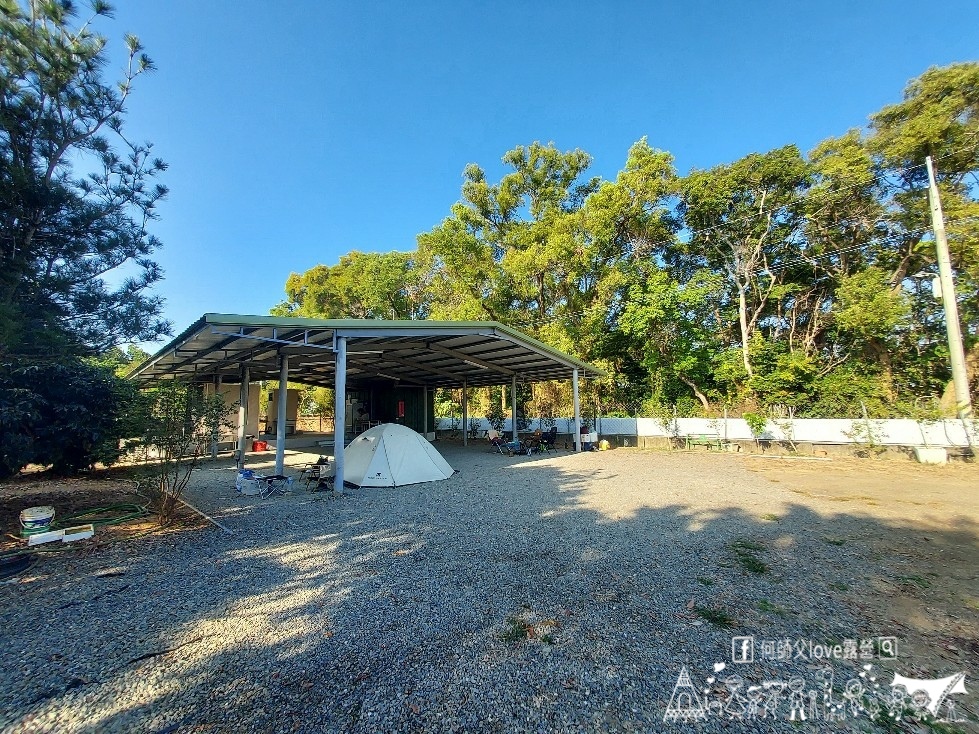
(834, 541)
(838, 585)
(715, 615)
(547, 639)
(515, 630)
(705, 581)
(921, 583)
(769, 608)
(752, 564)
(771, 516)
(746, 553)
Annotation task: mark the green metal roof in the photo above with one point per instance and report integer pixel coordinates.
(431, 353)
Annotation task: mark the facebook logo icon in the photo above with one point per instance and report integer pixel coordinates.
(742, 649)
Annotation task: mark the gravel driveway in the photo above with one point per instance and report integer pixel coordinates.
(555, 593)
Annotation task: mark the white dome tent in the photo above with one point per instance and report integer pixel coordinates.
(392, 455)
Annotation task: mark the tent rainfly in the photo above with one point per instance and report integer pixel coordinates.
(392, 455)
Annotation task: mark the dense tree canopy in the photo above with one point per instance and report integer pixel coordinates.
(76, 194)
(781, 280)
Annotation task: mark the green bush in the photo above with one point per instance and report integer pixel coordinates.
(495, 417)
(69, 415)
(756, 423)
(181, 423)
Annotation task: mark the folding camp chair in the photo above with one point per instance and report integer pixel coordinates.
(325, 482)
(548, 440)
(497, 443)
(308, 470)
(322, 474)
(273, 484)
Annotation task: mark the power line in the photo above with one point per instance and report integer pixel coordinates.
(807, 259)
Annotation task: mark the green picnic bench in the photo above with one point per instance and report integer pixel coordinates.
(710, 440)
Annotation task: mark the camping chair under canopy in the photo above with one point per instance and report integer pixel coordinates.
(548, 439)
(322, 475)
(309, 468)
(498, 444)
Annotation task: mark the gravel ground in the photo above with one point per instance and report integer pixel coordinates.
(555, 593)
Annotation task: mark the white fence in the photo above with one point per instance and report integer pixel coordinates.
(890, 432)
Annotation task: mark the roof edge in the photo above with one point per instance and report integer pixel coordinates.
(509, 332)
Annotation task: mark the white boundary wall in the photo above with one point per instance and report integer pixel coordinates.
(889, 432)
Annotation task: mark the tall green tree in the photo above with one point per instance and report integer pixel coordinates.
(76, 193)
(746, 222)
(776, 279)
(360, 286)
(938, 117)
(508, 250)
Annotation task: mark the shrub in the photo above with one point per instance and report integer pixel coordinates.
(68, 414)
(495, 417)
(180, 425)
(756, 423)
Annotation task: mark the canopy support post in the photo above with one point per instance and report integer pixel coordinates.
(214, 434)
(513, 408)
(339, 411)
(243, 415)
(465, 413)
(280, 418)
(577, 410)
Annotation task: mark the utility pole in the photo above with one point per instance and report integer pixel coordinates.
(960, 380)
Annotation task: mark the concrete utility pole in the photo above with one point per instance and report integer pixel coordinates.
(960, 380)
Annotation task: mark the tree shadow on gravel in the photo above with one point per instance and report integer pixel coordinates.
(524, 594)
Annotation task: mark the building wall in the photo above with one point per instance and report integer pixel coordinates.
(292, 407)
(844, 431)
(231, 393)
(385, 407)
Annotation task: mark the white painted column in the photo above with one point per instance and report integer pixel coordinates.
(465, 413)
(513, 407)
(280, 418)
(577, 409)
(214, 435)
(425, 411)
(243, 414)
(339, 410)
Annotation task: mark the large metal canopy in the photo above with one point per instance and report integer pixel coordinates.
(420, 353)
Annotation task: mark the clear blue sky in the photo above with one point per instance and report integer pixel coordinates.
(298, 131)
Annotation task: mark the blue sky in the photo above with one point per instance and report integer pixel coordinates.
(298, 131)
